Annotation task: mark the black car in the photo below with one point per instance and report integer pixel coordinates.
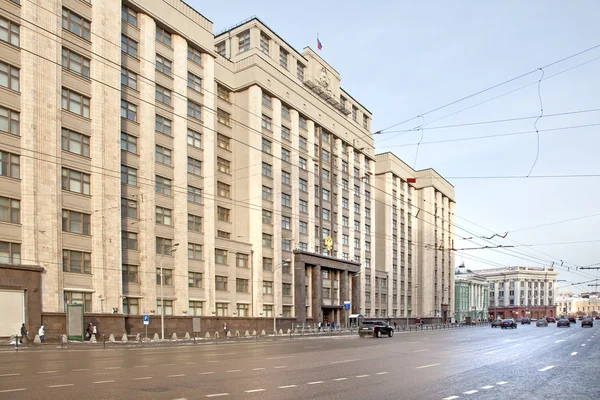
(525, 321)
(587, 321)
(509, 323)
(572, 319)
(563, 322)
(375, 328)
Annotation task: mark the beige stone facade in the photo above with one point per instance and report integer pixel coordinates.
(239, 166)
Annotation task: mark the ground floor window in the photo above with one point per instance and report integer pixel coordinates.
(131, 306)
(195, 308)
(79, 298)
(168, 307)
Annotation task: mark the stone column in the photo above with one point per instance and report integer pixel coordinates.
(344, 293)
(317, 297)
(299, 291)
(356, 290)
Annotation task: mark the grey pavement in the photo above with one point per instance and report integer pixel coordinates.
(475, 363)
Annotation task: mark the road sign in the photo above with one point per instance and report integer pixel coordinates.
(146, 320)
(346, 305)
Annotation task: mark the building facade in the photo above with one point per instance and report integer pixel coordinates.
(516, 292)
(470, 296)
(415, 262)
(570, 304)
(242, 171)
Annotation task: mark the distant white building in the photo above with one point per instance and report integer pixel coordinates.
(575, 304)
(471, 295)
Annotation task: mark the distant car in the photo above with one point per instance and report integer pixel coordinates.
(580, 318)
(541, 322)
(597, 317)
(509, 323)
(587, 321)
(496, 323)
(375, 328)
(563, 322)
(572, 319)
(525, 321)
(550, 319)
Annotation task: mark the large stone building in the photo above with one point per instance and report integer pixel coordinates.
(516, 292)
(571, 304)
(471, 295)
(243, 173)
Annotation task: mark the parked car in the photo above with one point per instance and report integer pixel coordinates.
(509, 323)
(597, 317)
(572, 319)
(587, 321)
(563, 322)
(496, 323)
(375, 328)
(550, 319)
(525, 321)
(541, 322)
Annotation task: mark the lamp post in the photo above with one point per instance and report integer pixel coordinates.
(284, 262)
(172, 249)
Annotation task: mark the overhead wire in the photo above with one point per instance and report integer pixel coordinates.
(537, 154)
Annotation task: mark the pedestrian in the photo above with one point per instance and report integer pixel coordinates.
(89, 331)
(42, 334)
(395, 326)
(95, 331)
(23, 333)
(225, 328)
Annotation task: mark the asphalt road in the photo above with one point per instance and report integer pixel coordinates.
(474, 363)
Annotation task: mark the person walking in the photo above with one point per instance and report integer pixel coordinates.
(42, 334)
(225, 329)
(23, 333)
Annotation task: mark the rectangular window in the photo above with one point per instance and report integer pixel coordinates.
(266, 146)
(194, 166)
(365, 121)
(220, 282)
(221, 256)
(75, 24)
(267, 264)
(222, 309)
(223, 189)
(224, 214)
(345, 221)
(128, 15)
(129, 240)
(303, 227)
(128, 111)
(325, 214)
(129, 208)
(10, 210)
(241, 285)
(74, 181)
(302, 141)
(283, 57)
(128, 175)
(162, 155)
(77, 262)
(267, 287)
(79, 298)
(286, 222)
(223, 142)
(286, 245)
(285, 112)
(163, 36)
(242, 260)
(223, 117)
(302, 125)
(194, 195)
(194, 223)
(243, 310)
(162, 125)
(223, 92)
(163, 185)
(76, 103)
(194, 138)
(194, 82)
(79, 64)
(355, 113)
(285, 133)
(266, 122)
(9, 121)
(285, 155)
(195, 280)
(221, 48)
(223, 165)
(163, 65)
(194, 110)
(302, 185)
(325, 194)
(356, 208)
(75, 222)
(285, 177)
(244, 41)
(267, 193)
(300, 71)
(164, 246)
(168, 306)
(194, 55)
(267, 217)
(266, 169)
(267, 240)
(130, 273)
(194, 251)
(286, 200)
(128, 78)
(163, 95)
(266, 100)
(303, 206)
(163, 216)
(268, 310)
(345, 184)
(74, 142)
(264, 43)
(9, 32)
(302, 163)
(129, 46)
(131, 306)
(195, 308)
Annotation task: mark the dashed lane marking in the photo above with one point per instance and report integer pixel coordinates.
(314, 383)
(583, 345)
(217, 395)
(10, 374)
(100, 382)
(491, 352)
(235, 370)
(63, 385)
(313, 347)
(546, 368)
(206, 373)
(143, 378)
(254, 390)
(175, 376)
(451, 398)
(471, 392)
(112, 368)
(558, 341)
(280, 357)
(574, 353)
(418, 351)
(381, 373)
(81, 369)
(46, 372)
(344, 361)
(501, 383)
(487, 387)
(280, 366)
(191, 363)
(361, 376)
(340, 379)
(12, 390)
(258, 369)
(428, 366)
(287, 386)
(166, 365)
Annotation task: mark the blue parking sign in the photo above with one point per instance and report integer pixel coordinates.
(146, 320)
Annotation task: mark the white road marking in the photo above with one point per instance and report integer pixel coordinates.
(12, 390)
(471, 392)
(46, 372)
(258, 369)
(280, 366)
(501, 383)
(63, 385)
(381, 373)
(340, 379)
(191, 363)
(313, 347)
(98, 382)
(361, 376)
(558, 341)
(140, 366)
(81, 369)
(430, 365)
(487, 387)
(254, 390)
(142, 378)
(166, 365)
(235, 370)
(10, 374)
(560, 333)
(286, 386)
(583, 345)
(574, 353)
(344, 361)
(183, 398)
(112, 368)
(418, 351)
(206, 373)
(517, 345)
(546, 368)
(451, 398)
(280, 357)
(491, 352)
(314, 383)
(217, 395)
(175, 376)
(589, 340)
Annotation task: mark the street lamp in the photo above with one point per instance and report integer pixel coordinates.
(285, 262)
(172, 249)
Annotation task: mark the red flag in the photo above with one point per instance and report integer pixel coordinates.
(319, 45)
(411, 180)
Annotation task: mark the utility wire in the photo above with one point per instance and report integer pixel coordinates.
(537, 154)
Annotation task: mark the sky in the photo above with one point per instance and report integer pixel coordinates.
(402, 59)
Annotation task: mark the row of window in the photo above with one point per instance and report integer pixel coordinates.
(196, 308)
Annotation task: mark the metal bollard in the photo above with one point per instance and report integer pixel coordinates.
(103, 341)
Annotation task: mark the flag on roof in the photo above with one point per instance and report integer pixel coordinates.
(411, 180)
(319, 45)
